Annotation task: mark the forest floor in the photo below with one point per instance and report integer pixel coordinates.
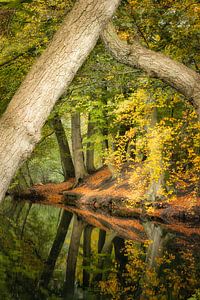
(101, 198)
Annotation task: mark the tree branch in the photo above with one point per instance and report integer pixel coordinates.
(157, 65)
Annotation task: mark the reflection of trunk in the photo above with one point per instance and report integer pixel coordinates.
(72, 256)
(86, 254)
(158, 241)
(121, 258)
(77, 147)
(65, 156)
(90, 147)
(56, 248)
(104, 258)
(101, 240)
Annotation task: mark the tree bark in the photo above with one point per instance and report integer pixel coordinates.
(56, 248)
(72, 256)
(77, 147)
(157, 65)
(47, 81)
(86, 254)
(65, 155)
(90, 148)
(25, 219)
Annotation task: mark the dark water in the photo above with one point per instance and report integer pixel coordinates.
(97, 257)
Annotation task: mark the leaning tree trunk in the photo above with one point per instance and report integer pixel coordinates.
(157, 65)
(46, 82)
(65, 155)
(77, 147)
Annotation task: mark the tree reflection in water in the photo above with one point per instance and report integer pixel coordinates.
(106, 258)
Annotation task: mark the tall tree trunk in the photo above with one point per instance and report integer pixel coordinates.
(19, 209)
(65, 155)
(157, 65)
(86, 254)
(29, 174)
(72, 256)
(56, 248)
(77, 147)
(155, 160)
(90, 147)
(25, 219)
(46, 82)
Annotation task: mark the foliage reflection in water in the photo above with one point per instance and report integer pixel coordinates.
(102, 263)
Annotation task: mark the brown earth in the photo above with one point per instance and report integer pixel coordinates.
(104, 201)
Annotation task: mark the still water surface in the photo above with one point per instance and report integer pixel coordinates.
(96, 256)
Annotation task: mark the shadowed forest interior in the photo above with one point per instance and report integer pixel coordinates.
(100, 149)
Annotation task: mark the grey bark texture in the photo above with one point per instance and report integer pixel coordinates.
(87, 252)
(77, 147)
(46, 82)
(65, 155)
(90, 147)
(157, 65)
(72, 256)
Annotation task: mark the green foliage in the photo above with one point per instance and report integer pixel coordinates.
(172, 276)
(22, 259)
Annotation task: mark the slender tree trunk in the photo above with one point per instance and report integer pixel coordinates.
(18, 211)
(157, 65)
(25, 219)
(90, 147)
(77, 147)
(86, 254)
(155, 149)
(78, 227)
(29, 174)
(65, 155)
(23, 177)
(46, 82)
(56, 248)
